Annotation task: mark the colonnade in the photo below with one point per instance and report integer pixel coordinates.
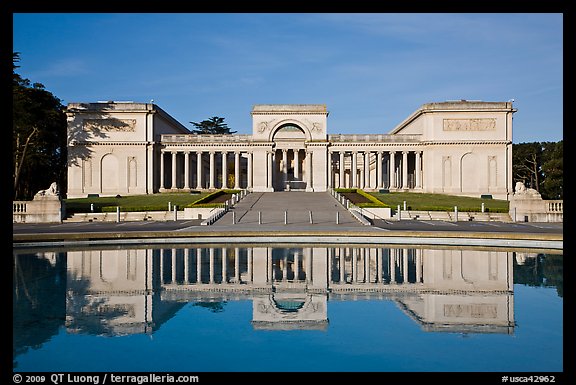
(203, 175)
(288, 168)
(375, 169)
(343, 265)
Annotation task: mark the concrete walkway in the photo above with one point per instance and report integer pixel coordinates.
(288, 209)
(323, 230)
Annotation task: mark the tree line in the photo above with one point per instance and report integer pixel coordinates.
(39, 142)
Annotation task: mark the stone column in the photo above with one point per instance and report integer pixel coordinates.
(393, 265)
(308, 255)
(173, 279)
(285, 268)
(367, 169)
(296, 164)
(236, 265)
(173, 169)
(330, 264)
(250, 171)
(211, 182)
(379, 265)
(405, 169)
(186, 265)
(198, 265)
(224, 267)
(367, 265)
(405, 265)
(418, 170)
(211, 262)
(296, 266)
(284, 168)
(186, 170)
(309, 166)
(250, 262)
(269, 168)
(392, 173)
(342, 170)
(353, 170)
(198, 170)
(355, 265)
(330, 169)
(379, 170)
(224, 169)
(162, 186)
(418, 265)
(342, 265)
(270, 277)
(236, 170)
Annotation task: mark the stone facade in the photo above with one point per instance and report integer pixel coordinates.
(459, 148)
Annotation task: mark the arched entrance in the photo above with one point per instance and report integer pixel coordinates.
(290, 171)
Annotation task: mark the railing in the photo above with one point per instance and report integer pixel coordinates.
(19, 207)
(374, 138)
(554, 206)
(352, 208)
(193, 138)
(37, 211)
(224, 208)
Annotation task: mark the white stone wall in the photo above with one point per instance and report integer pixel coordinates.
(111, 147)
(465, 148)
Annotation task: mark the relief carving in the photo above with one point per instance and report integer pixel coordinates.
(469, 124)
(470, 310)
(114, 125)
(264, 126)
(316, 126)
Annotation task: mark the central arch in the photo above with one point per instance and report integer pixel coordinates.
(289, 171)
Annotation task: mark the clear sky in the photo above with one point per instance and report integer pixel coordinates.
(371, 70)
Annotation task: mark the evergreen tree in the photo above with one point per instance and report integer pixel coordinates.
(38, 137)
(213, 126)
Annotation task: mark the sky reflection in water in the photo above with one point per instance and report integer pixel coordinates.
(274, 308)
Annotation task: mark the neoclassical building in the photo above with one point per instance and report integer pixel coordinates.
(455, 147)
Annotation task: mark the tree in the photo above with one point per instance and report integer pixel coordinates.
(526, 161)
(213, 126)
(38, 136)
(552, 170)
(539, 165)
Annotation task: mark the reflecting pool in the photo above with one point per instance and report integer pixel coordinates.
(224, 308)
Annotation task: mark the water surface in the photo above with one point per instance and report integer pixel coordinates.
(227, 308)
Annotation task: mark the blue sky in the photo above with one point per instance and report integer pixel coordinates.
(371, 70)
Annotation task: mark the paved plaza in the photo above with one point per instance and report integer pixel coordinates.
(285, 216)
(289, 209)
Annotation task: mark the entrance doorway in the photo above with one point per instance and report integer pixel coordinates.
(290, 161)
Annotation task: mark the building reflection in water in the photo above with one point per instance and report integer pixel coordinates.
(135, 290)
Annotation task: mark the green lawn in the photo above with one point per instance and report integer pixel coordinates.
(441, 202)
(159, 202)
(152, 202)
